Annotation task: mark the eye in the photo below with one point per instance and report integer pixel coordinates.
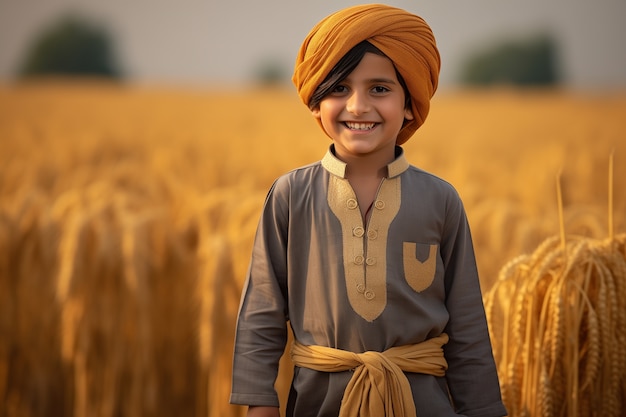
(380, 89)
(339, 89)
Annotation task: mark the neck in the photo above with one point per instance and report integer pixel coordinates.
(365, 169)
(367, 166)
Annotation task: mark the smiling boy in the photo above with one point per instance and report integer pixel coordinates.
(368, 258)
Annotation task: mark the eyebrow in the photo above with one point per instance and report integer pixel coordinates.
(382, 80)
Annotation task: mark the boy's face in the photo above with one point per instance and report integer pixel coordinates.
(365, 112)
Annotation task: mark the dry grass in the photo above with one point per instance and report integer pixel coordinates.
(127, 215)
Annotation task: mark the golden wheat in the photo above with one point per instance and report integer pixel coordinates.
(127, 217)
(568, 352)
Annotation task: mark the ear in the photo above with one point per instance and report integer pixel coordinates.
(316, 113)
(408, 114)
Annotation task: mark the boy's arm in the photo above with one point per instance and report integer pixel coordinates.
(263, 412)
(468, 353)
(261, 332)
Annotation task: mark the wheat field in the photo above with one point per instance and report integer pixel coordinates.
(127, 215)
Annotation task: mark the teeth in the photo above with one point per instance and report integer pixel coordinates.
(360, 126)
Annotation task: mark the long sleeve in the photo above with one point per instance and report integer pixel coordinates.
(261, 327)
(471, 376)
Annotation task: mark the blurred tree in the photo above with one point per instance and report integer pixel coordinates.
(523, 62)
(270, 72)
(71, 46)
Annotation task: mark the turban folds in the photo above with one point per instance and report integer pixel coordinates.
(406, 39)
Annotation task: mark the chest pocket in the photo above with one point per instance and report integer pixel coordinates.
(419, 274)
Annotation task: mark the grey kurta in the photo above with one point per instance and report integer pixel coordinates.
(407, 275)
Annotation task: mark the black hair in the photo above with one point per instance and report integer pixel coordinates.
(344, 67)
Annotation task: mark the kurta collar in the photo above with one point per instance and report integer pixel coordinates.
(337, 167)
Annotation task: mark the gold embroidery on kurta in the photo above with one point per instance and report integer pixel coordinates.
(365, 251)
(419, 274)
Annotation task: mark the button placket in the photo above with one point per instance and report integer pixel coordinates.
(365, 277)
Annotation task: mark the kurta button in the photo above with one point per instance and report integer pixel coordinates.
(379, 204)
(358, 231)
(358, 260)
(372, 234)
(370, 261)
(352, 204)
(369, 295)
(360, 288)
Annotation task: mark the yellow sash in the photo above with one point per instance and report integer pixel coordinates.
(378, 386)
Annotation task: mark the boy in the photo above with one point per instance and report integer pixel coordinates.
(369, 258)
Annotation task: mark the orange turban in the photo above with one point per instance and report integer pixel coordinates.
(405, 38)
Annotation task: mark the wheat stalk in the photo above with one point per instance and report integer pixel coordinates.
(569, 308)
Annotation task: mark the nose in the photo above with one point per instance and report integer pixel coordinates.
(357, 103)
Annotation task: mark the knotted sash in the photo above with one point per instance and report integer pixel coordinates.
(378, 386)
(405, 38)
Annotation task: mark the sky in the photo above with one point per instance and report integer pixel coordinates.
(210, 41)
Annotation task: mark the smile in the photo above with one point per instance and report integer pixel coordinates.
(359, 126)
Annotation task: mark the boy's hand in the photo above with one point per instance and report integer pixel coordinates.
(263, 412)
